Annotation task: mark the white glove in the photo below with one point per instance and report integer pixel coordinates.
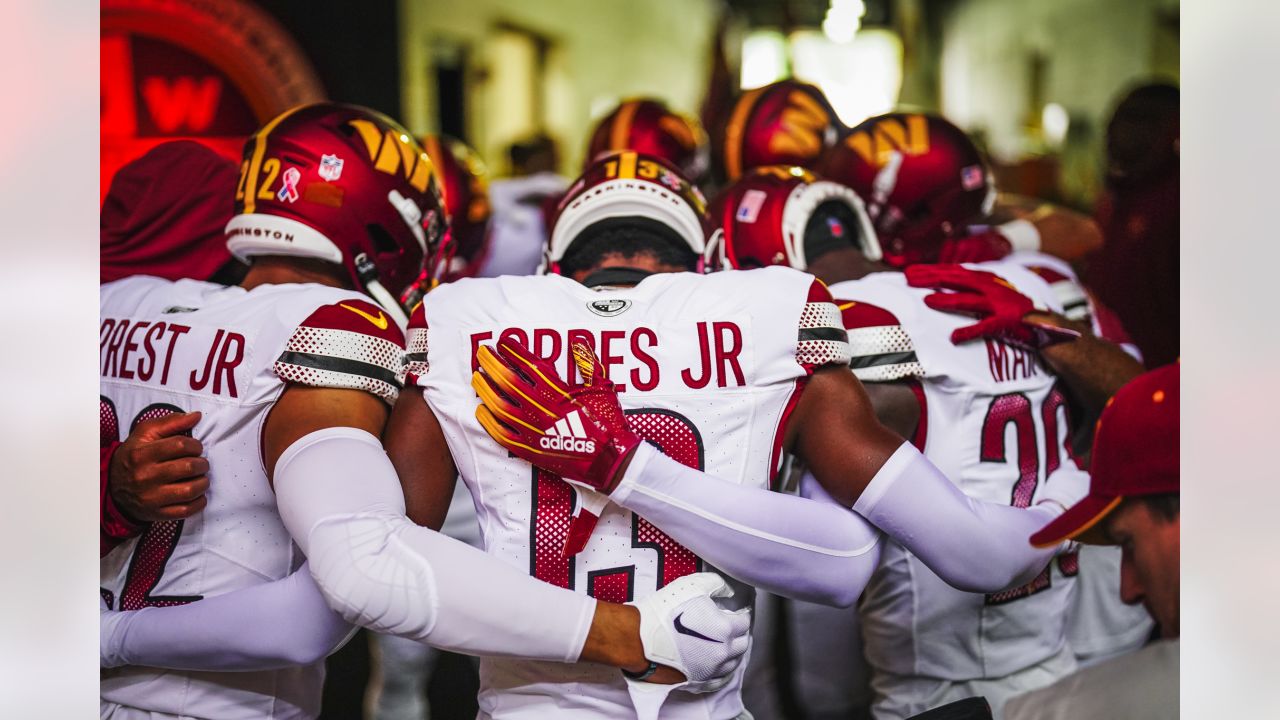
(682, 626)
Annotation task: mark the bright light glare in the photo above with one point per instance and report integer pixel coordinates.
(1055, 121)
(861, 78)
(764, 58)
(843, 20)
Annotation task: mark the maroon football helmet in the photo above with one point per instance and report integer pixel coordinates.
(648, 126)
(628, 185)
(344, 184)
(785, 123)
(761, 219)
(922, 178)
(465, 186)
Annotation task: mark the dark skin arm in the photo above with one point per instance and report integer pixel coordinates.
(896, 406)
(417, 448)
(835, 431)
(1093, 368)
(1064, 233)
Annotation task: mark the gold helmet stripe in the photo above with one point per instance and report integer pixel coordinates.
(733, 133)
(255, 163)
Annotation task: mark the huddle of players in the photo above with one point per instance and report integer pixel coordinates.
(619, 422)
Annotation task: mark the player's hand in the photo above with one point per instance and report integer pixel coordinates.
(987, 244)
(1001, 309)
(157, 472)
(580, 434)
(683, 627)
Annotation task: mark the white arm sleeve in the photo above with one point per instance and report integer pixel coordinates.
(267, 626)
(804, 549)
(341, 500)
(973, 545)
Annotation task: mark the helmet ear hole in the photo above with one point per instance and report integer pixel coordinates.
(383, 243)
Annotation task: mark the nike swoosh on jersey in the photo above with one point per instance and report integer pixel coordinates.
(379, 322)
(680, 628)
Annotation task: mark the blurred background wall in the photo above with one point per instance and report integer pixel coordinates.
(1034, 80)
(498, 71)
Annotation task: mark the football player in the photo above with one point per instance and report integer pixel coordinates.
(927, 641)
(717, 376)
(293, 371)
(163, 215)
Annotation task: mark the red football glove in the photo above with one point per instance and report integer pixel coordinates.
(580, 434)
(1001, 308)
(979, 247)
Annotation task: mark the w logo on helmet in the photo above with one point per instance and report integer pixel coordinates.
(907, 134)
(394, 152)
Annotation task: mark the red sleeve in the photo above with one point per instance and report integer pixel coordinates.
(350, 344)
(880, 349)
(822, 339)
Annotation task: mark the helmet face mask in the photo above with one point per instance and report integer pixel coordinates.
(922, 178)
(627, 185)
(761, 219)
(339, 183)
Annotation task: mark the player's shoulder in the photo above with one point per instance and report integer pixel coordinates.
(471, 297)
(337, 338)
(880, 345)
(1049, 283)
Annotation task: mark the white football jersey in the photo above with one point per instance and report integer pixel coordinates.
(709, 367)
(994, 421)
(183, 346)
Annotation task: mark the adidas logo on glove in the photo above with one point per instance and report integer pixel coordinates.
(568, 435)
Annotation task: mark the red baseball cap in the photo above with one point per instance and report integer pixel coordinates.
(1135, 452)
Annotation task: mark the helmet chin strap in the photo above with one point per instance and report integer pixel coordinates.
(615, 276)
(368, 275)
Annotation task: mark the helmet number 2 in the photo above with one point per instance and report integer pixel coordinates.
(552, 512)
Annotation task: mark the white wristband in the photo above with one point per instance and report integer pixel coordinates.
(1021, 234)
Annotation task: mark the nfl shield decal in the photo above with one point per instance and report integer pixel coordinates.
(330, 167)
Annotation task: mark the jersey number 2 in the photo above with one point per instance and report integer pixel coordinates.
(677, 438)
(157, 542)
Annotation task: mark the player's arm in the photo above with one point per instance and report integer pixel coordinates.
(341, 500)
(263, 627)
(791, 546)
(1093, 368)
(157, 473)
(417, 448)
(973, 545)
(1035, 225)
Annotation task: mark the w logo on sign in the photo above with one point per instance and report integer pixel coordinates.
(568, 435)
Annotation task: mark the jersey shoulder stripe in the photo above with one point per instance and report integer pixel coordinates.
(351, 344)
(822, 339)
(415, 358)
(880, 350)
